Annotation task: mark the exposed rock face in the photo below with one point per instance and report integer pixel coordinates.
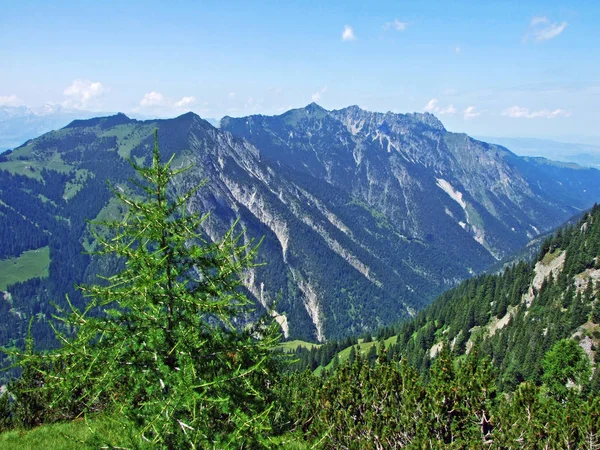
(365, 216)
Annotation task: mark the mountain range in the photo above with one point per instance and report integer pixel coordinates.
(20, 123)
(366, 216)
(568, 152)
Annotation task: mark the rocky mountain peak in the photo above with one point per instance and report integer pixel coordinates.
(365, 216)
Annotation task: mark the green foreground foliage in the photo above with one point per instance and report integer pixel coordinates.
(160, 354)
(387, 405)
(156, 342)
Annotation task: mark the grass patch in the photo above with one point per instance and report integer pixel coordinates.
(364, 348)
(128, 137)
(45, 199)
(293, 345)
(99, 432)
(32, 167)
(77, 183)
(30, 264)
(102, 431)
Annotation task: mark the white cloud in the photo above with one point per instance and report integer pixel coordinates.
(231, 95)
(158, 103)
(470, 113)
(317, 95)
(82, 92)
(185, 102)
(10, 100)
(253, 104)
(520, 113)
(450, 109)
(152, 99)
(432, 107)
(457, 50)
(551, 31)
(395, 25)
(541, 29)
(348, 34)
(536, 20)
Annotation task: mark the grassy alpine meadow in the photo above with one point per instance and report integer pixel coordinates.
(30, 264)
(101, 431)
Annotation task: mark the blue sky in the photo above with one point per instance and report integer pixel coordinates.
(499, 68)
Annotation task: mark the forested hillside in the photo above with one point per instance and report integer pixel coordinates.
(366, 217)
(513, 317)
(516, 317)
(502, 361)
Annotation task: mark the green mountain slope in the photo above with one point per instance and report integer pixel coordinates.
(517, 316)
(359, 231)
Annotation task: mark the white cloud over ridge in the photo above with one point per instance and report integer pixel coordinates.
(432, 107)
(470, 113)
(157, 101)
(348, 34)
(518, 112)
(317, 95)
(10, 100)
(152, 99)
(185, 102)
(83, 92)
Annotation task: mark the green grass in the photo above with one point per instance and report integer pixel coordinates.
(293, 345)
(364, 348)
(101, 432)
(30, 264)
(77, 183)
(45, 199)
(33, 167)
(129, 137)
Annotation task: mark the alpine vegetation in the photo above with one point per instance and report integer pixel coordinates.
(161, 344)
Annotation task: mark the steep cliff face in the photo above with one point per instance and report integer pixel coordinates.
(365, 216)
(431, 184)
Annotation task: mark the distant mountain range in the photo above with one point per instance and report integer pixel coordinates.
(366, 216)
(20, 123)
(587, 155)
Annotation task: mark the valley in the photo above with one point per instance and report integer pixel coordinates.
(340, 197)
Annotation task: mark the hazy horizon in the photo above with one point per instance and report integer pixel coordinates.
(484, 68)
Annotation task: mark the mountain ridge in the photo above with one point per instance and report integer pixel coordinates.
(360, 229)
